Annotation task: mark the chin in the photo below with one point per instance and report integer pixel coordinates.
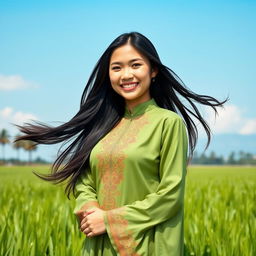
(131, 98)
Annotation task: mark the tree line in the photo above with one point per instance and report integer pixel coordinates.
(240, 158)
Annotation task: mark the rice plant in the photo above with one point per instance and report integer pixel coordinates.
(37, 219)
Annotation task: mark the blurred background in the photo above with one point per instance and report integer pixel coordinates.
(49, 48)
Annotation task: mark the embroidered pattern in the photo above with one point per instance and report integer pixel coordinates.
(112, 156)
(89, 204)
(121, 236)
(111, 166)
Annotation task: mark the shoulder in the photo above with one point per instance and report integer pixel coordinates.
(170, 124)
(172, 127)
(166, 116)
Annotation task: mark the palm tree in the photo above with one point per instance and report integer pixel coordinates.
(18, 145)
(29, 146)
(4, 139)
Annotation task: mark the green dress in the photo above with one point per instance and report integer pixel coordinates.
(137, 175)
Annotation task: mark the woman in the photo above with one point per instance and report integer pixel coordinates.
(127, 163)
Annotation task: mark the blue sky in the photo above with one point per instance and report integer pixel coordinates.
(48, 49)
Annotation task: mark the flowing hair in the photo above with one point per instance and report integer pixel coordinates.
(101, 108)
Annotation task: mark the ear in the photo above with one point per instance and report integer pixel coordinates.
(154, 72)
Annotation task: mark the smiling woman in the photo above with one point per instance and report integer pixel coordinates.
(127, 163)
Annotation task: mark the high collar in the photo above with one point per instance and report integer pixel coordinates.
(140, 109)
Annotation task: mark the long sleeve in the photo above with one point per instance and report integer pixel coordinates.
(126, 225)
(85, 193)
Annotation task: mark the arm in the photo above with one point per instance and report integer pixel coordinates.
(87, 210)
(85, 194)
(126, 224)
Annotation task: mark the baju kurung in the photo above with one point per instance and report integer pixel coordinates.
(137, 175)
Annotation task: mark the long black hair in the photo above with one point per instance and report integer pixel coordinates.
(101, 108)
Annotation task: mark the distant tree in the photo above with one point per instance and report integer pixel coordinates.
(212, 158)
(221, 160)
(248, 158)
(29, 146)
(4, 139)
(17, 146)
(195, 158)
(40, 160)
(203, 159)
(241, 157)
(231, 159)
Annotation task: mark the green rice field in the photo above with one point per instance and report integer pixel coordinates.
(37, 219)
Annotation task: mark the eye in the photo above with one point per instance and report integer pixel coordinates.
(136, 65)
(115, 68)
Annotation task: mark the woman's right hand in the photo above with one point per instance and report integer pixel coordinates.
(92, 223)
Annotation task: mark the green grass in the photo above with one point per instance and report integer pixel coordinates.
(220, 211)
(37, 219)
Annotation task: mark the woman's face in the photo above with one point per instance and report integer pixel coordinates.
(130, 75)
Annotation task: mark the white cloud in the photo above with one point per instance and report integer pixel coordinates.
(249, 127)
(14, 82)
(231, 119)
(6, 112)
(8, 117)
(20, 117)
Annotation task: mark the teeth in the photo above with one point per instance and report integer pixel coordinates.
(129, 85)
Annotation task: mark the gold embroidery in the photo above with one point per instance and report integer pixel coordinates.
(112, 156)
(111, 166)
(89, 204)
(122, 237)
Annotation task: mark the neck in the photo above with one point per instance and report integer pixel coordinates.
(132, 104)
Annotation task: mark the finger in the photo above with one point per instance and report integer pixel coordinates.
(86, 225)
(84, 220)
(86, 231)
(87, 212)
(90, 234)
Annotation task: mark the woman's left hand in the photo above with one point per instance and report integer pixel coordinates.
(92, 223)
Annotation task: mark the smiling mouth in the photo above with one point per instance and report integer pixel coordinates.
(129, 86)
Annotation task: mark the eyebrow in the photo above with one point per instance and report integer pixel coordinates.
(120, 63)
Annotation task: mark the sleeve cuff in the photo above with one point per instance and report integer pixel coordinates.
(117, 228)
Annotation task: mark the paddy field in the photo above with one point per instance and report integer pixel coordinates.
(36, 218)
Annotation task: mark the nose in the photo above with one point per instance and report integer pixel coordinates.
(126, 74)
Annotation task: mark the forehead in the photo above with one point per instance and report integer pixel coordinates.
(125, 53)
